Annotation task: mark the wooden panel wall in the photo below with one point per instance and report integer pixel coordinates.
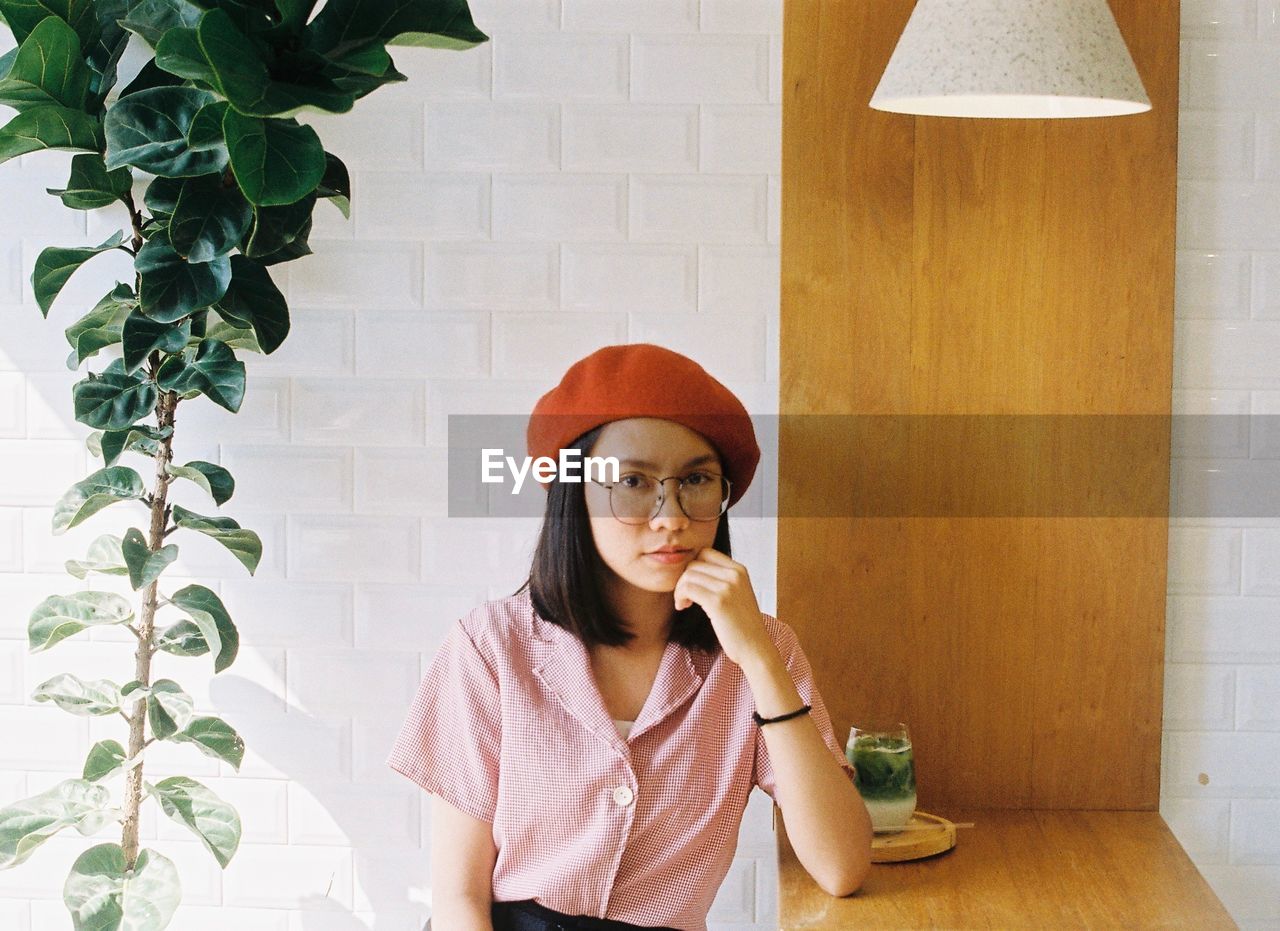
(945, 266)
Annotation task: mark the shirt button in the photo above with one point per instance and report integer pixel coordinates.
(622, 795)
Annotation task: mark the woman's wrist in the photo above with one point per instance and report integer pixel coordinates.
(760, 660)
(771, 685)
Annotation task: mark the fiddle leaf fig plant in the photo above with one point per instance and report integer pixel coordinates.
(210, 124)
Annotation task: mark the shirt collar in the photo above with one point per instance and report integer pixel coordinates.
(565, 668)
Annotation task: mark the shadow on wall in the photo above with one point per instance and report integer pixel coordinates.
(389, 903)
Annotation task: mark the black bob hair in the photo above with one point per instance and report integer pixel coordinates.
(563, 583)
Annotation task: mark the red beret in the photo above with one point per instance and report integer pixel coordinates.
(644, 380)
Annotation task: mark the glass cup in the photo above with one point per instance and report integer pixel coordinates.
(880, 752)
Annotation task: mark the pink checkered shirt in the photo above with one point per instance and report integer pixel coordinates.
(509, 726)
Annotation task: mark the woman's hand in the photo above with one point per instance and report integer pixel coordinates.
(721, 587)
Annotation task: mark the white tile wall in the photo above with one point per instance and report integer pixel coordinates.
(630, 137)
(493, 135)
(603, 171)
(561, 65)
(560, 207)
(604, 277)
(1223, 656)
(705, 68)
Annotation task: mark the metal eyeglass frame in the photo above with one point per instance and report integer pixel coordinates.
(662, 496)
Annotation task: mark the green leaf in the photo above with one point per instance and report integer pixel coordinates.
(102, 326)
(104, 556)
(48, 69)
(148, 130)
(211, 819)
(344, 25)
(363, 85)
(27, 824)
(182, 639)
(206, 128)
(105, 758)
(294, 13)
(240, 75)
(253, 300)
(312, 92)
(104, 54)
(151, 19)
(234, 336)
(274, 228)
(336, 184)
(434, 40)
(214, 479)
(275, 161)
(91, 185)
(209, 218)
(141, 335)
(172, 287)
(364, 71)
(150, 75)
(141, 438)
(245, 545)
(369, 61)
(113, 400)
(214, 371)
(209, 614)
(102, 896)
(169, 708)
(23, 16)
(161, 196)
(144, 565)
(90, 495)
(56, 264)
(255, 19)
(294, 249)
(61, 616)
(50, 127)
(179, 53)
(73, 694)
(213, 737)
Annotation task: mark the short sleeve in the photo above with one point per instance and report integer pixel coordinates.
(451, 738)
(802, 675)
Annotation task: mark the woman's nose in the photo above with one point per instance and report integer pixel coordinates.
(670, 513)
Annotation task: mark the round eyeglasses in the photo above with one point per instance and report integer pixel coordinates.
(637, 498)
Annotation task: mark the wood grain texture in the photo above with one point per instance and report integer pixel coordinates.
(965, 269)
(1019, 869)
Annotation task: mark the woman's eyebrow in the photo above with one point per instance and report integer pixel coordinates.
(641, 463)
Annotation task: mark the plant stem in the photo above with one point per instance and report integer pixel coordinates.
(135, 221)
(166, 407)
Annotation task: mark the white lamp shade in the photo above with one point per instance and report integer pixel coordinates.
(1011, 58)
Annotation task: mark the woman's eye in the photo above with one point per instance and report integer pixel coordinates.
(632, 481)
(697, 478)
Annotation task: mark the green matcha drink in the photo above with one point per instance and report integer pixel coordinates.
(886, 773)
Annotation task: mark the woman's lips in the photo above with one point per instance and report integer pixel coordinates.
(669, 557)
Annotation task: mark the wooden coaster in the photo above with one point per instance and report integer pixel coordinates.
(925, 835)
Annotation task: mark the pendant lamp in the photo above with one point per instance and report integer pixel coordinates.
(1011, 59)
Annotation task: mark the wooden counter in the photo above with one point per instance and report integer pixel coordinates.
(1019, 869)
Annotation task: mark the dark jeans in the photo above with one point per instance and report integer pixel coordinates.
(528, 915)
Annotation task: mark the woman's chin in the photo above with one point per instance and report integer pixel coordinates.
(655, 582)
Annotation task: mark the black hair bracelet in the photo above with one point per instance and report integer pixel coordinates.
(782, 717)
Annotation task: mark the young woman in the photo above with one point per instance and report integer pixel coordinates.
(591, 740)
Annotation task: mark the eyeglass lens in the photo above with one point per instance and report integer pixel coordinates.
(701, 495)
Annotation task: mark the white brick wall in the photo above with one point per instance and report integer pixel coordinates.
(603, 171)
(1221, 769)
